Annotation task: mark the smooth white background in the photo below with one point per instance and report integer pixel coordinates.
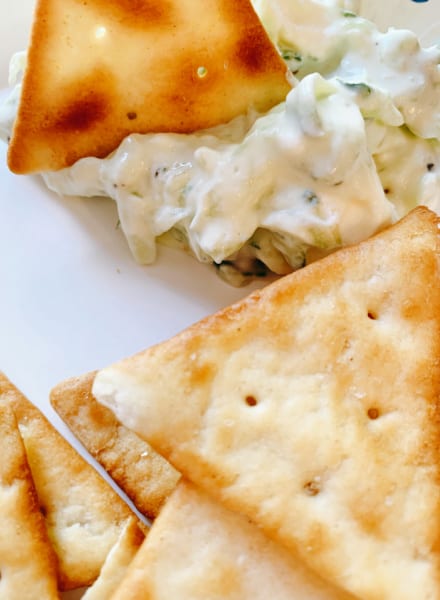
(71, 297)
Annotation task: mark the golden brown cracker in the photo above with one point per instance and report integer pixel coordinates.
(312, 407)
(98, 71)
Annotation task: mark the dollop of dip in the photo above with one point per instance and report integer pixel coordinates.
(354, 147)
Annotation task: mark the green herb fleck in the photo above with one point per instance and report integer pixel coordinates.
(348, 13)
(362, 88)
(310, 197)
(288, 54)
(160, 171)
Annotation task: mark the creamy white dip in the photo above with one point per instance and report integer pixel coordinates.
(354, 146)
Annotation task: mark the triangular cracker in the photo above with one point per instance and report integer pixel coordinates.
(198, 550)
(28, 564)
(145, 476)
(84, 515)
(312, 407)
(98, 71)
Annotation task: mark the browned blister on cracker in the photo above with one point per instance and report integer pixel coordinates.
(145, 476)
(28, 563)
(84, 515)
(98, 71)
(312, 407)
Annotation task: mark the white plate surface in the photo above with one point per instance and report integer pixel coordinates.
(71, 297)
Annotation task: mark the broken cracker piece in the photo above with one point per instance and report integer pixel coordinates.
(117, 562)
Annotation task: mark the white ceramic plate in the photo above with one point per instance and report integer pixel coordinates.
(71, 297)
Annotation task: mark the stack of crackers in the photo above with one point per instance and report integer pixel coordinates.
(61, 521)
(289, 442)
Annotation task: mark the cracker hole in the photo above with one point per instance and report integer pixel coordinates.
(251, 400)
(131, 116)
(372, 315)
(373, 413)
(312, 488)
(43, 511)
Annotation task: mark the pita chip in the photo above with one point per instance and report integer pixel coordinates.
(84, 515)
(116, 564)
(145, 476)
(98, 71)
(28, 564)
(311, 407)
(197, 549)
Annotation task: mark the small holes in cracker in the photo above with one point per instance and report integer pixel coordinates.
(312, 488)
(373, 413)
(251, 400)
